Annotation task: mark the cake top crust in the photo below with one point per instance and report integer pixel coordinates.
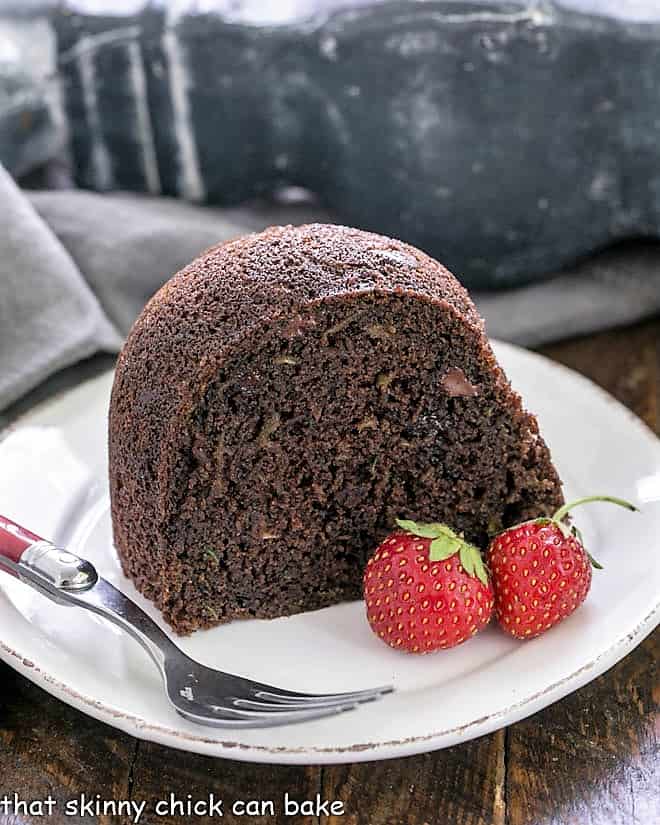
(288, 265)
(239, 286)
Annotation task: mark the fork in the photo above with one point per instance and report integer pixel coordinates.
(199, 693)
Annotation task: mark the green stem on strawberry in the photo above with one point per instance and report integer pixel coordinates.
(563, 511)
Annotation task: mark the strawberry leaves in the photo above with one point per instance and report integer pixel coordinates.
(445, 543)
(577, 534)
(472, 562)
(424, 531)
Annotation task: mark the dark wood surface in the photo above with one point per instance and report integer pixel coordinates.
(591, 759)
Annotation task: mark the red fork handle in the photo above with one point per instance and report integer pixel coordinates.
(42, 565)
(14, 539)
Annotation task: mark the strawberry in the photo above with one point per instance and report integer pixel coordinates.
(426, 589)
(541, 571)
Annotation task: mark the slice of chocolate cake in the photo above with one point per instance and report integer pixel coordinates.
(288, 395)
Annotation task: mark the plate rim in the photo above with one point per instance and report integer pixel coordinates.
(220, 747)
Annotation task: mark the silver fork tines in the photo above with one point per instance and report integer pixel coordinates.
(223, 700)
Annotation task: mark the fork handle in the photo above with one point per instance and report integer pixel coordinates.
(69, 580)
(14, 539)
(26, 554)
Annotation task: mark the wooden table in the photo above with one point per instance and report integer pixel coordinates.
(591, 759)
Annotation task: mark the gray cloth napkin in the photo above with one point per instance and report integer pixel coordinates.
(49, 317)
(76, 268)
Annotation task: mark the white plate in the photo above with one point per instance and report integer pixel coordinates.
(53, 480)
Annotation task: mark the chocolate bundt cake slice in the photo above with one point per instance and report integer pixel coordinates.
(288, 395)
